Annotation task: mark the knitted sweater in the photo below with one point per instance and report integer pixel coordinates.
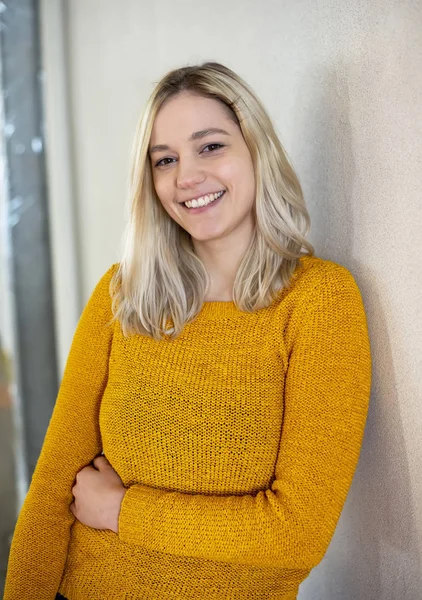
(237, 443)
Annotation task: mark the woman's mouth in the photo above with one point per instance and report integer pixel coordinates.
(203, 203)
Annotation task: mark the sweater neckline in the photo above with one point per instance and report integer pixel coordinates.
(212, 309)
(217, 309)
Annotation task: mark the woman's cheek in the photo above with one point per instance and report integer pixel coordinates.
(234, 168)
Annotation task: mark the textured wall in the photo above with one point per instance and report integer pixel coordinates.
(343, 83)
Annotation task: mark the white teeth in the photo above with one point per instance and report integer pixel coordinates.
(203, 200)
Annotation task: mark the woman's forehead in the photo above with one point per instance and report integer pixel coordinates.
(186, 114)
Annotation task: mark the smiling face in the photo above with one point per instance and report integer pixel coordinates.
(199, 156)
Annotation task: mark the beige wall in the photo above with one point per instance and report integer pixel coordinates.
(343, 82)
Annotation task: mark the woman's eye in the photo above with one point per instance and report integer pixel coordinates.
(212, 147)
(163, 162)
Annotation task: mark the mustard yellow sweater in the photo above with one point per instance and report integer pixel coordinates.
(237, 443)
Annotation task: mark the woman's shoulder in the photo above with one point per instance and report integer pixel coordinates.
(108, 275)
(102, 290)
(316, 269)
(315, 276)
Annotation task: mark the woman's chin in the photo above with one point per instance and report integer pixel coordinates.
(205, 236)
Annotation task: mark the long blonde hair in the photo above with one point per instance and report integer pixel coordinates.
(161, 282)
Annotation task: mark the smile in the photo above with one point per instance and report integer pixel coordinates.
(203, 200)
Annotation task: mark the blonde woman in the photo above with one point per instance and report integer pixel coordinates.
(211, 415)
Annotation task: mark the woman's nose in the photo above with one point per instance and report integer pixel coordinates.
(188, 174)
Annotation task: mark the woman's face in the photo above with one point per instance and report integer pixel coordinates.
(198, 155)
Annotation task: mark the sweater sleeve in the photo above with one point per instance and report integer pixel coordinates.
(289, 525)
(39, 546)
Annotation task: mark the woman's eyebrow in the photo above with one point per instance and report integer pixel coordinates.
(159, 148)
(198, 135)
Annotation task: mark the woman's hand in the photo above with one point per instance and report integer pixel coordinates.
(98, 495)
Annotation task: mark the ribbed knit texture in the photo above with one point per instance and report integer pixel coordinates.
(237, 442)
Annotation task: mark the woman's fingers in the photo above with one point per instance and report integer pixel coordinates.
(100, 461)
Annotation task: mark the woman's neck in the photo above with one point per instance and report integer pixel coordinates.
(221, 261)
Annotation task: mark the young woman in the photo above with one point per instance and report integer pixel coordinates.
(212, 410)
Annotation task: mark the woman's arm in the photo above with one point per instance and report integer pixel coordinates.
(326, 399)
(39, 547)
